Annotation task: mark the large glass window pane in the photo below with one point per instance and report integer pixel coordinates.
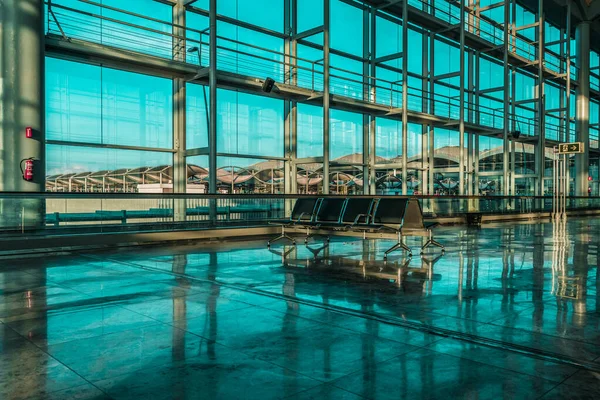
(248, 175)
(248, 52)
(73, 102)
(310, 14)
(137, 110)
(388, 141)
(346, 77)
(491, 154)
(264, 13)
(346, 137)
(249, 124)
(105, 106)
(76, 168)
(197, 119)
(309, 131)
(346, 28)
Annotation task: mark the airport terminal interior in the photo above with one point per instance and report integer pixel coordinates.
(299, 199)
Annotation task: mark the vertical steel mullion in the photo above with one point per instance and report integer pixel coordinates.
(288, 73)
(367, 149)
(373, 92)
(472, 118)
(179, 114)
(425, 107)
(554, 188)
(212, 81)
(326, 123)
(431, 150)
(212, 130)
(461, 120)
(294, 105)
(583, 107)
(510, 185)
(568, 75)
(404, 96)
(541, 154)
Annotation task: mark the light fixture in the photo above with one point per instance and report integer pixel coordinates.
(267, 85)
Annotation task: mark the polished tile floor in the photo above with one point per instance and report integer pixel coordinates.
(510, 311)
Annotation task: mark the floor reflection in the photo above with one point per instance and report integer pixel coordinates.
(508, 311)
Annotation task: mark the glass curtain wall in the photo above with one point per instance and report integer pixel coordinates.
(412, 108)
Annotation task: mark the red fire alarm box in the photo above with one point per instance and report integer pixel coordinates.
(29, 132)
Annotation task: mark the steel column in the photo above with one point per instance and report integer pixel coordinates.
(179, 107)
(212, 81)
(404, 96)
(373, 93)
(461, 108)
(582, 37)
(368, 151)
(541, 150)
(289, 105)
(326, 99)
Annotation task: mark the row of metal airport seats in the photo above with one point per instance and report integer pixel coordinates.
(400, 215)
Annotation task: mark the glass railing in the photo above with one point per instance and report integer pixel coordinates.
(65, 213)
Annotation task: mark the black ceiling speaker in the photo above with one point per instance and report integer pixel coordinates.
(267, 85)
(515, 134)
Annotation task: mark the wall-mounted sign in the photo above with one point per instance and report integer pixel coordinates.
(570, 148)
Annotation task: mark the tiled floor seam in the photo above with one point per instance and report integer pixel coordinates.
(558, 384)
(61, 363)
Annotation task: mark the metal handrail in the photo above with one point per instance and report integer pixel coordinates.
(141, 196)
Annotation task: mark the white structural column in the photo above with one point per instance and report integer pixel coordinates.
(22, 105)
(582, 126)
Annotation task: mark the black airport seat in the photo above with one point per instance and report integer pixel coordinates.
(358, 212)
(303, 213)
(389, 215)
(413, 222)
(397, 214)
(328, 216)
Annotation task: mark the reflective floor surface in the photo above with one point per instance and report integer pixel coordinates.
(510, 312)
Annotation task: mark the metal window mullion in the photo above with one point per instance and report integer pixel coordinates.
(541, 154)
(212, 78)
(404, 96)
(425, 127)
(179, 108)
(326, 99)
(367, 149)
(461, 120)
(287, 104)
(431, 143)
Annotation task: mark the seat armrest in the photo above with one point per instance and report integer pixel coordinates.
(299, 218)
(359, 216)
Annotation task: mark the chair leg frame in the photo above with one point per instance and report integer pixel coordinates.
(399, 245)
(309, 235)
(432, 242)
(282, 236)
